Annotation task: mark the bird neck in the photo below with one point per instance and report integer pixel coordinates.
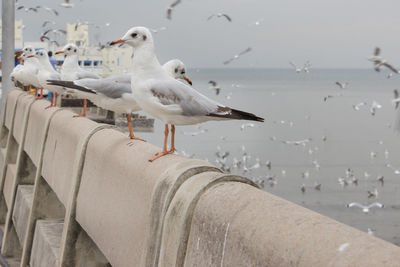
(47, 65)
(71, 61)
(144, 58)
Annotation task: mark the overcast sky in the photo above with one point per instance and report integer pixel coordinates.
(331, 34)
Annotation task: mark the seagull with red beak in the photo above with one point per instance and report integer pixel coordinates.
(165, 98)
(114, 93)
(71, 71)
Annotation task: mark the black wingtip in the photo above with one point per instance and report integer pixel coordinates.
(236, 115)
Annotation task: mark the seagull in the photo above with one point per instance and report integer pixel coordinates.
(342, 85)
(47, 22)
(379, 61)
(215, 86)
(372, 194)
(396, 98)
(165, 98)
(257, 22)
(237, 56)
(67, 4)
(171, 7)
(71, 71)
(47, 72)
(306, 66)
(49, 9)
(114, 93)
(297, 69)
(374, 106)
(16, 74)
(219, 15)
(297, 142)
(30, 69)
(327, 97)
(357, 107)
(365, 209)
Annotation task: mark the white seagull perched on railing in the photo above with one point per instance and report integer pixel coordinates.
(167, 99)
(379, 62)
(114, 93)
(47, 72)
(71, 71)
(31, 68)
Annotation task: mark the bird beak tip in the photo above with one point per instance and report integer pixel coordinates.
(188, 80)
(119, 41)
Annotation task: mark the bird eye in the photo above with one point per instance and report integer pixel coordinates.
(176, 70)
(133, 35)
(69, 48)
(144, 37)
(182, 72)
(75, 50)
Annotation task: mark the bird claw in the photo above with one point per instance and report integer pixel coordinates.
(79, 116)
(137, 138)
(160, 154)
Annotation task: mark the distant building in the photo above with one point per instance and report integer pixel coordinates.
(19, 40)
(78, 34)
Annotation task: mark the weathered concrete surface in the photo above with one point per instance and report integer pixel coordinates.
(22, 207)
(87, 254)
(178, 219)
(46, 243)
(36, 129)
(8, 183)
(23, 106)
(237, 225)
(63, 143)
(163, 193)
(10, 107)
(116, 193)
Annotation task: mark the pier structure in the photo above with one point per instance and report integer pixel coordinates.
(74, 192)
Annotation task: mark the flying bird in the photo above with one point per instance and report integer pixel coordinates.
(67, 4)
(365, 208)
(171, 7)
(342, 85)
(379, 62)
(237, 56)
(220, 15)
(374, 106)
(297, 69)
(215, 86)
(396, 99)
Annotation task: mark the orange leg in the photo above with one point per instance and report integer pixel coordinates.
(172, 150)
(164, 152)
(83, 114)
(51, 103)
(41, 94)
(131, 136)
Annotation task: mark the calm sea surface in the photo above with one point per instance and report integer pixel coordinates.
(294, 108)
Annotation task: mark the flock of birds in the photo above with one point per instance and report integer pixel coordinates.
(175, 102)
(150, 87)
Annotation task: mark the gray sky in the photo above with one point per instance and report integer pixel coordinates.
(331, 34)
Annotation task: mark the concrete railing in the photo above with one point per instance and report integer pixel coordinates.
(78, 193)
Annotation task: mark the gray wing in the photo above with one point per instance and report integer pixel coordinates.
(390, 67)
(227, 17)
(191, 102)
(245, 51)
(377, 51)
(112, 88)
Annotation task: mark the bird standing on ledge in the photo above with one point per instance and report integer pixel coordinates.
(165, 98)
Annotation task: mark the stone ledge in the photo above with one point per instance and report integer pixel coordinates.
(22, 207)
(46, 243)
(8, 183)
